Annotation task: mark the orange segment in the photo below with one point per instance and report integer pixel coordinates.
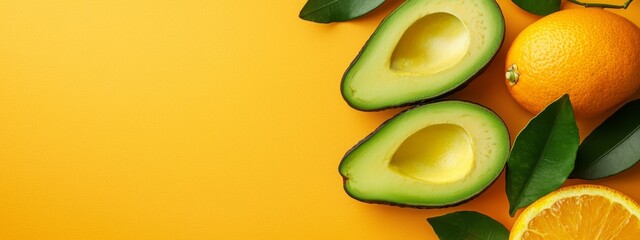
(588, 212)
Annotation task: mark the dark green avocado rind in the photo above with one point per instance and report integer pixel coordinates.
(453, 204)
(345, 178)
(422, 100)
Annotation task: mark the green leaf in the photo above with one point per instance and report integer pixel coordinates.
(468, 225)
(539, 7)
(543, 155)
(612, 147)
(326, 11)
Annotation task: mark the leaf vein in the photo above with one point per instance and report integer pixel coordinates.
(520, 192)
(461, 229)
(307, 13)
(612, 148)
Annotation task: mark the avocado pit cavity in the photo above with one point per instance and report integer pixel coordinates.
(438, 153)
(435, 42)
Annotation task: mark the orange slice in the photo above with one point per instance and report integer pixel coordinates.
(590, 212)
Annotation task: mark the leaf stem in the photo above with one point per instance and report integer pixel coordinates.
(602, 5)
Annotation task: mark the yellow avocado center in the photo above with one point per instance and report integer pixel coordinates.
(439, 153)
(433, 43)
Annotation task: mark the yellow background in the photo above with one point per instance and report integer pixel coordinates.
(200, 119)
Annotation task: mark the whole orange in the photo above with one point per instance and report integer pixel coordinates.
(589, 53)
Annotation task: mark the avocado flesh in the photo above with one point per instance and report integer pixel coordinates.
(434, 43)
(423, 50)
(433, 155)
(439, 153)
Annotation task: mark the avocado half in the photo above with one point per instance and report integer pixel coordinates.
(434, 155)
(423, 50)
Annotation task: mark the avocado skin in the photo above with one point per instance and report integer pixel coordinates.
(425, 100)
(345, 178)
